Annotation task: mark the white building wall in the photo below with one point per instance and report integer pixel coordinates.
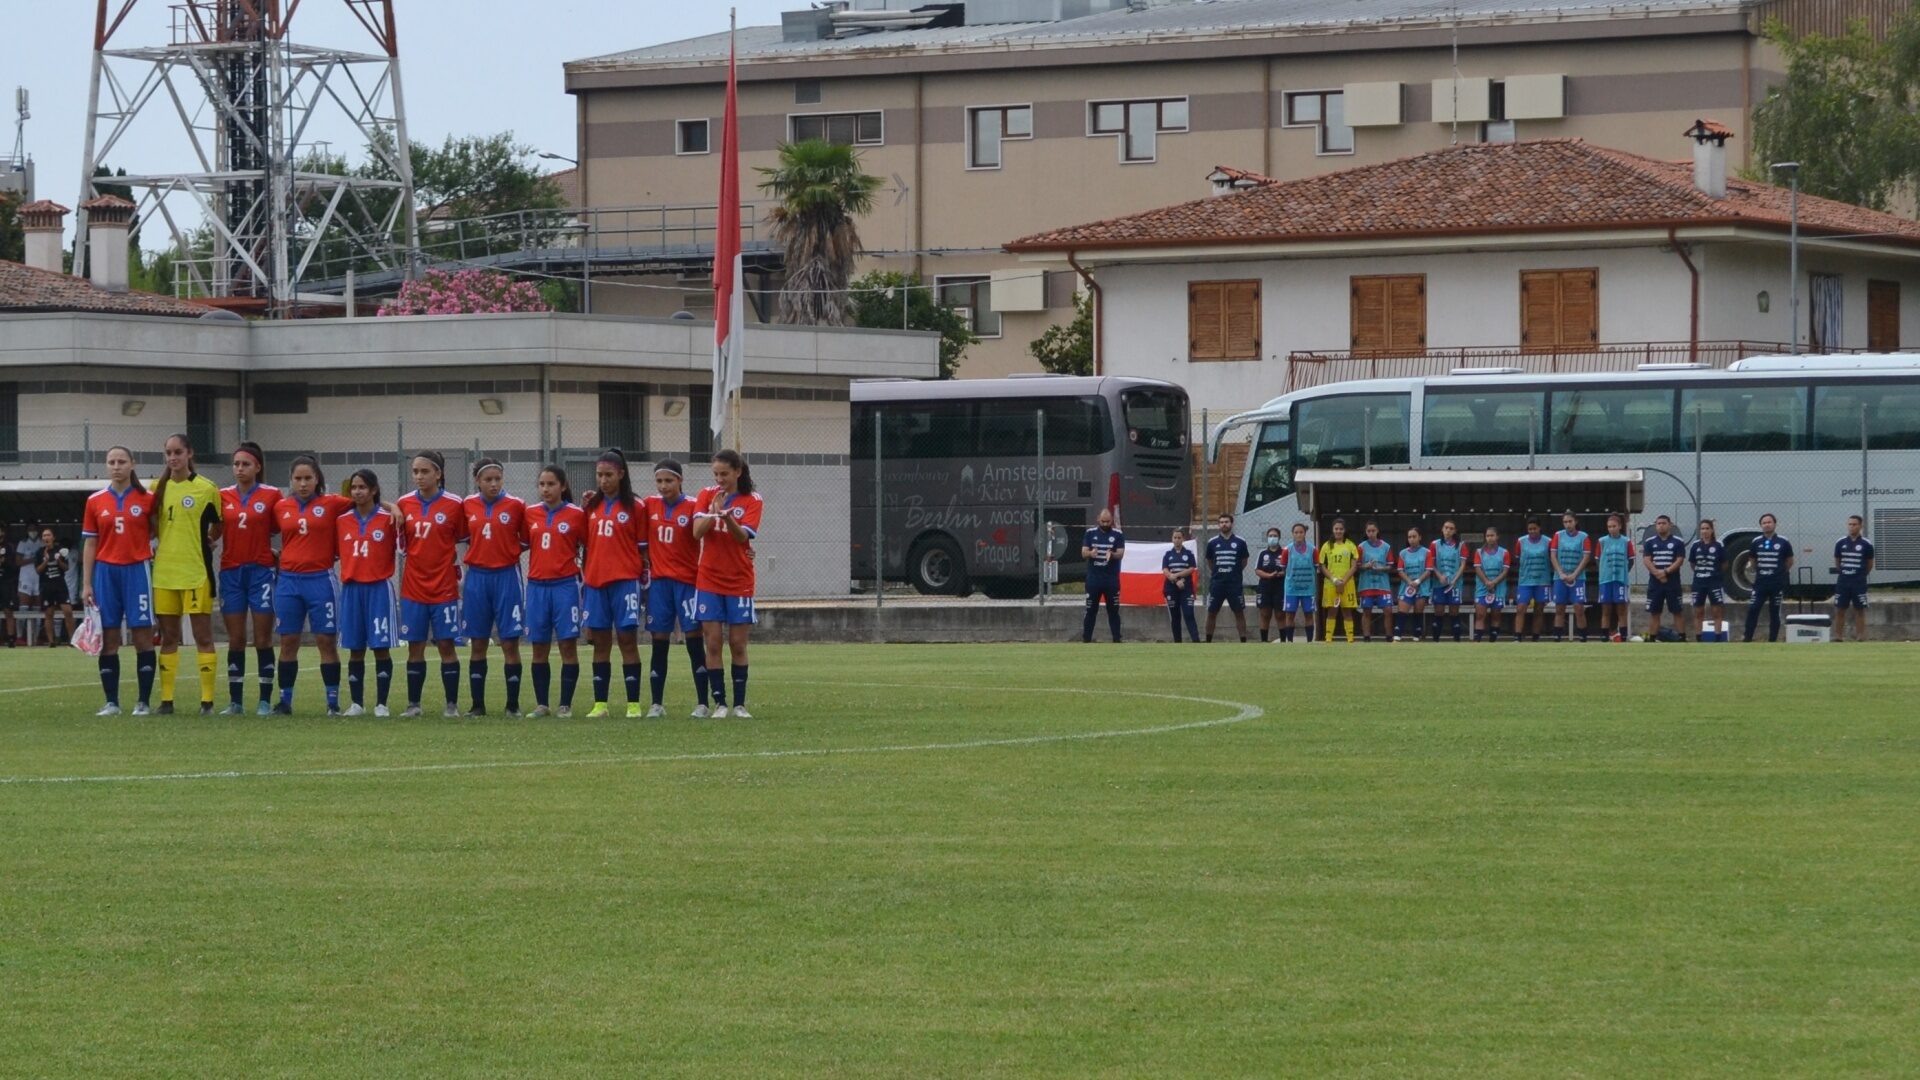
(1734, 275)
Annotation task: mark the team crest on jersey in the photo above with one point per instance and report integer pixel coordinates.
(439, 519)
(739, 512)
(622, 517)
(186, 502)
(505, 517)
(134, 510)
(379, 534)
(681, 520)
(560, 528)
(259, 508)
(319, 511)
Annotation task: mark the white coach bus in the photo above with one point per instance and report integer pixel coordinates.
(1772, 434)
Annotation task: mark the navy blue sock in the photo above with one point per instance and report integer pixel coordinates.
(630, 674)
(542, 682)
(513, 686)
(569, 678)
(330, 679)
(450, 680)
(263, 660)
(357, 681)
(717, 685)
(416, 681)
(382, 678)
(602, 680)
(289, 671)
(145, 665)
(697, 655)
(476, 684)
(739, 684)
(657, 669)
(236, 674)
(110, 677)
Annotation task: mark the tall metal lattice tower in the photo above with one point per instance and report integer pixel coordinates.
(256, 215)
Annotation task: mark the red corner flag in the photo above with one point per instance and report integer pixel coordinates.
(729, 284)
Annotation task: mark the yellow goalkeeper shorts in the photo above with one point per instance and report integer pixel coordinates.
(183, 601)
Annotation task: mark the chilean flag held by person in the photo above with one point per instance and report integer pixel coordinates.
(729, 275)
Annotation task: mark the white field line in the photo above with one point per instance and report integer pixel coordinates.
(35, 689)
(1242, 713)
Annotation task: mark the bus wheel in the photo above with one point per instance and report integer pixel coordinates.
(935, 568)
(1740, 567)
(1009, 588)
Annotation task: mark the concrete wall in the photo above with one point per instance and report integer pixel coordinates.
(1733, 276)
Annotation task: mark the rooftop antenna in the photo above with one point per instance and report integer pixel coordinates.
(17, 162)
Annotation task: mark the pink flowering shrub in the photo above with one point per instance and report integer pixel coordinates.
(464, 292)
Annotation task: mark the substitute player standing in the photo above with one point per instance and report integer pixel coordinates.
(116, 568)
(492, 599)
(616, 533)
(727, 519)
(1450, 579)
(1492, 567)
(1614, 553)
(1268, 568)
(1772, 564)
(556, 536)
(186, 522)
(1662, 555)
(246, 574)
(1416, 586)
(369, 541)
(1338, 597)
(1572, 554)
(1178, 568)
(1302, 578)
(435, 524)
(1534, 554)
(1227, 558)
(673, 562)
(1852, 562)
(306, 595)
(1376, 582)
(1708, 557)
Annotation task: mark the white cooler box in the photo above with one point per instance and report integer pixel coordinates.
(1809, 629)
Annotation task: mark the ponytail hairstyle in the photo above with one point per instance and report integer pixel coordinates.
(739, 464)
(160, 489)
(560, 474)
(371, 479)
(613, 457)
(439, 462)
(133, 478)
(311, 462)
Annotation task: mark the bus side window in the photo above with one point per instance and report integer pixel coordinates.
(1893, 417)
(1746, 418)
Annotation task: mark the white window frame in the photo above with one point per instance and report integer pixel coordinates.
(679, 147)
(941, 281)
(881, 113)
(1320, 125)
(1120, 136)
(972, 110)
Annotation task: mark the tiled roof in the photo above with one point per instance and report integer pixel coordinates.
(1241, 176)
(22, 288)
(1548, 185)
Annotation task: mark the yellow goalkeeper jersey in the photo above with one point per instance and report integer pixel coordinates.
(180, 520)
(1338, 557)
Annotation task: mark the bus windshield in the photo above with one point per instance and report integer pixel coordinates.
(1271, 476)
(1156, 419)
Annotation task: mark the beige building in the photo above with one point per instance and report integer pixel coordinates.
(1004, 118)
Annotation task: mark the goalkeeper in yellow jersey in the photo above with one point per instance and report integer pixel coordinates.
(186, 523)
(1339, 559)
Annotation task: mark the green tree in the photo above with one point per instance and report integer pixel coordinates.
(821, 189)
(1068, 349)
(13, 242)
(879, 296)
(1845, 113)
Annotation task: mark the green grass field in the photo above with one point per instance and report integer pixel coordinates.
(1443, 860)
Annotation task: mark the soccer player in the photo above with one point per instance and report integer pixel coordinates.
(1614, 553)
(1227, 558)
(1338, 557)
(727, 519)
(1708, 557)
(368, 536)
(616, 532)
(1269, 568)
(306, 594)
(673, 561)
(1103, 548)
(1852, 561)
(1302, 576)
(1662, 555)
(1534, 554)
(247, 527)
(1179, 568)
(115, 565)
(1449, 568)
(1772, 563)
(492, 599)
(1416, 585)
(434, 523)
(186, 522)
(1572, 554)
(1376, 582)
(53, 563)
(1492, 566)
(556, 537)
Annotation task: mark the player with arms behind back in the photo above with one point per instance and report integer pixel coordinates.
(556, 535)
(246, 574)
(369, 538)
(492, 599)
(116, 564)
(673, 560)
(434, 525)
(616, 535)
(306, 594)
(727, 518)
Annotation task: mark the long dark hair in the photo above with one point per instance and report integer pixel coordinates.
(166, 477)
(613, 456)
(733, 459)
(311, 462)
(560, 474)
(133, 478)
(370, 479)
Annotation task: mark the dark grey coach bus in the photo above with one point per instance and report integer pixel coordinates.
(965, 467)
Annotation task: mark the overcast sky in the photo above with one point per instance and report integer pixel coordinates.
(469, 66)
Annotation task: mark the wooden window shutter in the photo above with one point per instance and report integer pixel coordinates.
(1407, 313)
(1559, 309)
(1242, 320)
(1369, 314)
(1883, 316)
(1579, 308)
(1206, 320)
(1539, 309)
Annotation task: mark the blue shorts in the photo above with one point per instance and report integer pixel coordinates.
(123, 593)
(1303, 604)
(246, 588)
(1446, 597)
(309, 601)
(672, 603)
(1850, 596)
(1229, 593)
(493, 600)
(1564, 594)
(613, 606)
(1492, 601)
(732, 610)
(1665, 594)
(366, 615)
(553, 610)
(1613, 592)
(1411, 597)
(1527, 595)
(1712, 593)
(1376, 601)
(429, 622)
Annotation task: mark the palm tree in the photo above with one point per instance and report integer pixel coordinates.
(822, 190)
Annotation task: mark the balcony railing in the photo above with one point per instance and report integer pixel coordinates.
(1318, 367)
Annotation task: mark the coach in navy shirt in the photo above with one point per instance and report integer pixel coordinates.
(1178, 567)
(1662, 554)
(1772, 563)
(1852, 562)
(1227, 558)
(1102, 547)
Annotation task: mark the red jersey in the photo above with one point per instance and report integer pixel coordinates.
(368, 549)
(247, 525)
(495, 533)
(615, 534)
(434, 530)
(725, 568)
(554, 536)
(121, 525)
(672, 549)
(308, 542)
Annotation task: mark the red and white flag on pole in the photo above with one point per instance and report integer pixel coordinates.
(729, 275)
